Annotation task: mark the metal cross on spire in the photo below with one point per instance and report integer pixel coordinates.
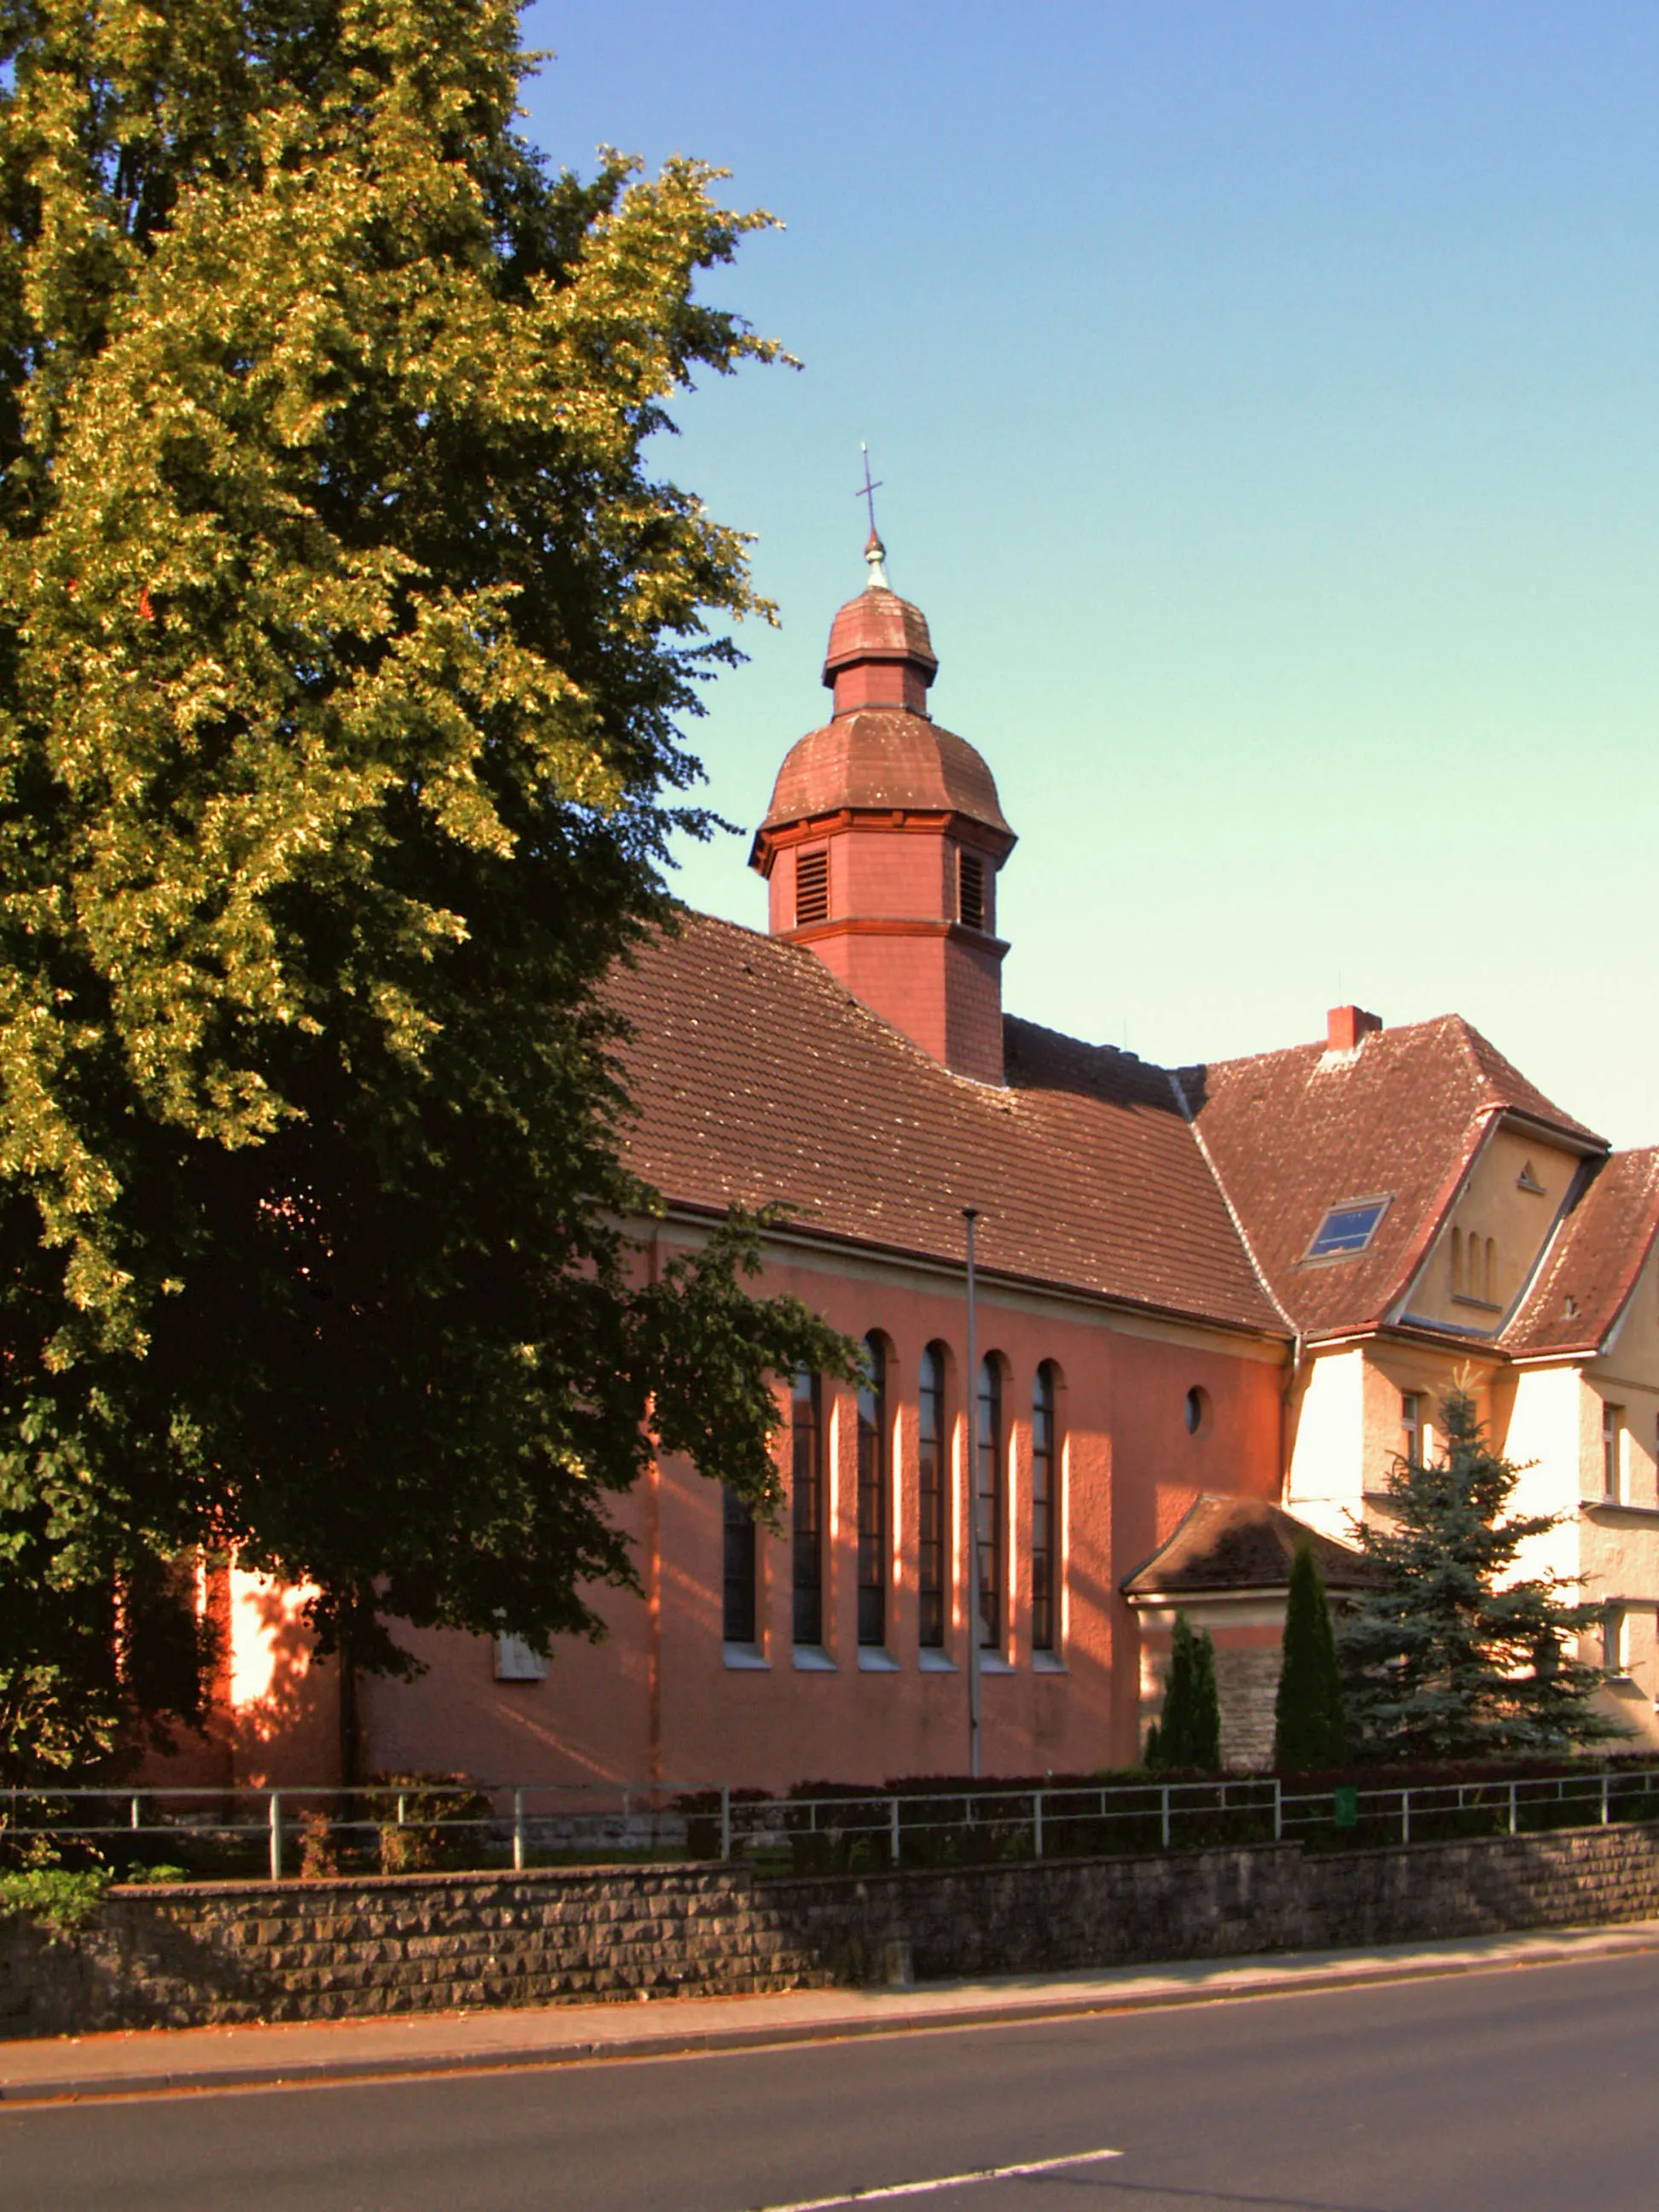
(866, 491)
(875, 552)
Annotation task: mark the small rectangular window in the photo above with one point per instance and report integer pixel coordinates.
(990, 1504)
(516, 1660)
(1612, 1424)
(873, 1484)
(934, 1531)
(811, 887)
(738, 1624)
(1044, 1500)
(806, 1482)
(1410, 1427)
(1346, 1229)
(971, 890)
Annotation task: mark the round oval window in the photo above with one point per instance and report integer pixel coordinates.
(1198, 1410)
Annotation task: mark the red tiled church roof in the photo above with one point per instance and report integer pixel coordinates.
(756, 1078)
(1293, 1133)
(1591, 1267)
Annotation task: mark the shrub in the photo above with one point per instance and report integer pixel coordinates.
(1187, 1733)
(54, 1897)
(1310, 1726)
(443, 1823)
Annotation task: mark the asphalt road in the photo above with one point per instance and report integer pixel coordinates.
(1526, 2090)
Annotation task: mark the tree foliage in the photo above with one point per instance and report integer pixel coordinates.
(345, 639)
(1188, 1731)
(1450, 1656)
(1310, 1726)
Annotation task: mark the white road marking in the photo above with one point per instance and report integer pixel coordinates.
(943, 2181)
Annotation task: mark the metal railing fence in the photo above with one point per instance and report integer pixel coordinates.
(417, 1823)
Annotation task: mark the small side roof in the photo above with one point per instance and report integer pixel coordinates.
(1227, 1544)
(1294, 1133)
(1591, 1269)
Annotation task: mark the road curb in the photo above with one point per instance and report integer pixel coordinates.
(689, 2042)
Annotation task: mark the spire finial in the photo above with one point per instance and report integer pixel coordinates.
(874, 551)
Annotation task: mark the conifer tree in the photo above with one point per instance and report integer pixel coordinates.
(1448, 1657)
(1188, 1733)
(345, 642)
(1310, 1726)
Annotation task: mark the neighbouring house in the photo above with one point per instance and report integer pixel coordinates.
(1210, 1298)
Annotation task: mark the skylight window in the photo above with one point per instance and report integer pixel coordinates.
(1346, 1230)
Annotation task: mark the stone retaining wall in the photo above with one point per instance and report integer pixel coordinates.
(245, 1951)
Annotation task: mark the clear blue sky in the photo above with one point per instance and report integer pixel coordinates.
(1267, 400)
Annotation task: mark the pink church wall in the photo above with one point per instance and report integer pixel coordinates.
(657, 1700)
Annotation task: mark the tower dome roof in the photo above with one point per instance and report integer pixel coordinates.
(882, 758)
(883, 752)
(878, 625)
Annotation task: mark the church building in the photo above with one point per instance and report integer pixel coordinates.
(1213, 1304)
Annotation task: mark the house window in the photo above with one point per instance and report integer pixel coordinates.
(516, 1660)
(872, 1495)
(934, 1532)
(971, 890)
(812, 886)
(738, 1611)
(1410, 1427)
(1346, 1229)
(989, 1516)
(1613, 1423)
(1489, 1272)
(806, 1475)
(1457, 1262)
(1616, 1642)
(1045, 1515)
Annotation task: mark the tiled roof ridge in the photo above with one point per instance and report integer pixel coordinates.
(1315, 1047)
(1233, 1213)
(1520, 1336)
(1495, 1074)
(1511, 1089)
(1113, 1052)
(757, 1076)
(806, 963)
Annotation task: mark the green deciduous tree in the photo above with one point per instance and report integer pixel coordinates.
(1187, 1732)
(1449, 1657)
(1311, 1728)
(345, 639)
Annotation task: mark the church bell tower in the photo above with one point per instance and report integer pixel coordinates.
(883, 840)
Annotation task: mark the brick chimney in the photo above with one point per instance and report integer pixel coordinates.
(1345, 1025)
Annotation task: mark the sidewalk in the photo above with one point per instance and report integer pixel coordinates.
(200, 2058)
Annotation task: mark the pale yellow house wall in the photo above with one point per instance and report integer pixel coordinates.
(1619, 1540)
(1322, 1483)
(1545, 1439)
(1517, 1222)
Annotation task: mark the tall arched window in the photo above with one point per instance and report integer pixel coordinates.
(1490, 1284)
(738, 1611)
(1045, 1511)
(1457, 1261)
(934, 1518)
(873, 1487)
(989, 1516)
(806, 1474)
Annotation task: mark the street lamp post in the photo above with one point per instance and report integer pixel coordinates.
(970, 1216)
